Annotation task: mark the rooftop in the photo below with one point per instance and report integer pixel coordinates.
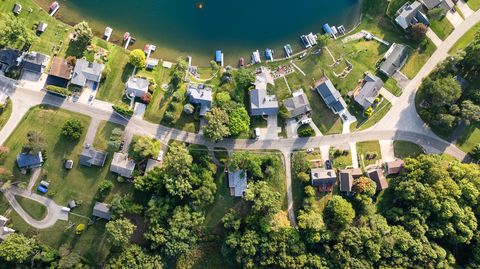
(101, 210)
(29, 160)
(395, 58)
(321, 176)
(122, 165)
(298, 104)
(91, 156)
(330, 95)
(237, 182)
(369, 91)
(60, 68)
(379, 178)
(86, 71)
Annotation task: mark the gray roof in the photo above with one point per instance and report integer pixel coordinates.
(201, 95)
(298, 104)
(122, 165)
(42, 27)
(10, 56)
(152, 164)
(137, 86)
(369, 91)
(447, 5)
(410, 14)
(395, 59)
(332, 97)
(262, 104)
(91, 156)
(321, 176)
(17, 8)
(85, 71)
(101, 210)
(237, 182)
(35, 62)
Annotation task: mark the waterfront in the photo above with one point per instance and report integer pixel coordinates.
(236, 27)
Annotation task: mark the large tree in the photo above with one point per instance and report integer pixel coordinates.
(72, 129)
(82, 37)
(217, 124)
(441, 91)
(120, 231)
(15, 33)
(339, 213)
(145, 147)
(17, 248)
(239, 121)
(133, 257)
(137, 58)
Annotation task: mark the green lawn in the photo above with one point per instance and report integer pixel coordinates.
(341, 161)
(442, 27)
(465, 40)
(418, 57)
(103, 134)
(391, 86)
(470, 138)
(362, 121)
(474, 4)
(221, 154)
(405, 149)
(5, 113)
(34, 209)
(368, 147)
(394, 6)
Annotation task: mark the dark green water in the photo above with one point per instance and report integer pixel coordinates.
(236, 27)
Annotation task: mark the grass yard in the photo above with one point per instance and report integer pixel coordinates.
(405, 149)
(418, 57)
(34, 209)
(5, 113)
(103, 134)
(470, 137)
(391, 85)
(342, 159)
(465, 40)
(364, 122)
(221, 154)
(474, 4)
(441, 27)
(368, 147)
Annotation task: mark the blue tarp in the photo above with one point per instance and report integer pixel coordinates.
(218, 56)
(42, 189)
(268, 54)
(327, 29)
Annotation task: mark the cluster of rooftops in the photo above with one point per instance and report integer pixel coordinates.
(412, 13)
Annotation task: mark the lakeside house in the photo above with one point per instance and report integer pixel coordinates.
(122, 165)
(9, 58)
(369, 90)
(261, 103)
(35, 62)
(379, 178)
(346, 178)
(395, 167)
(4, 230)
(60, 73)
(237, 183)
(200, 95)
(101, 210)
(330, 95)
(394, 59)
(410, 14)
(92, 157)
(323, 179)
(136, 87)
(87, 74)
(29, 160)
(446, 5)
(298, 104)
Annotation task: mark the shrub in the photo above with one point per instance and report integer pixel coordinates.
(104, 187)
(137, 58)
(123, 110)
(305, 131)
(72, 129)
(146, 98)
(58, 90)
(188, 109)
(168, 117)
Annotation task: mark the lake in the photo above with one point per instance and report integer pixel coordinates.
(199, 27)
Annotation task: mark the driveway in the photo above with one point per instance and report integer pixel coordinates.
(33, 81)
(454, 18)
(435, 39)
(387, 150)
(325, 152)
(92, 131)
(353, 152)
(388, 95)
(271, 132)
(464, 8)
(347, 122)
(402, 80)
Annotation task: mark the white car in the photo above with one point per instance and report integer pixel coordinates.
(310, 150)
(306, 121)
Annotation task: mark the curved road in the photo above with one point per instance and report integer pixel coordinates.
(401, 122)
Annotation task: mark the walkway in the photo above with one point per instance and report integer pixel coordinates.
(353, 152)
(388, 95)
(92, 131)
(435, 39)
(464, 8)
(288, 177)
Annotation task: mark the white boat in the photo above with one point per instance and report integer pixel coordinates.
(108, 33)
(256, 57)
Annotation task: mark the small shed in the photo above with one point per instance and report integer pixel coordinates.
(72, 204)
(42, 26)
(69, 164)
(44, 184)
(17, 9)
(101, 210)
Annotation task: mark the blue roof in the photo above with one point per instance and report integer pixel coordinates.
(327, 29)
(218, 56)
(42, 189)
(27, 160)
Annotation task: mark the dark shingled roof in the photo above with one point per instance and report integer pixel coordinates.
(395, 58)
(330, 95)
(378, 177)
(28, 160)
(9, 56)
(298, 104)
(34, 62)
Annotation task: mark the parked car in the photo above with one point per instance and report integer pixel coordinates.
(310, 150)
(90, 98)
(329, 164)
(344, 116)
(306, 121)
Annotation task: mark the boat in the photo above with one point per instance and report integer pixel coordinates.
(305, 41)
(241, 62)
(269, 54)
(126, 36)
(256, 57)
(53, 8)
(107, 34)
(288, 50)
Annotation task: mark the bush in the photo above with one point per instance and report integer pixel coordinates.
(58, 90)
(146, 98)
(72, 129)
(168, 117)
(188, 109)
(80, 228)
(104, 187)
(123, 110)
(137, 58)
(368, 112)
(305, 131)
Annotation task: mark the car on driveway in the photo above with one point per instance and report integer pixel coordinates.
(329, 164)
(306, 121)
(345, 117)
(90, 98)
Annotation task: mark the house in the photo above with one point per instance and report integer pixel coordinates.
(87, 74)
(395, 167)
(136, 87)
(9, 58)
(200, 95)
(369, 90)
(92, 157)
(29, 160)
(237, 182)
(446, 5)
(17, 8)
(410, 14)
(35, 62)
(4, 230)
(346, 177)
(152, 63)
(323, 179)
(330, 95)
(60, 73)
(394, 59)
(263, 104)
(42, 26)
(122, 165)
(101, 210)
(379, 178)
(152, 164)
(298, 104)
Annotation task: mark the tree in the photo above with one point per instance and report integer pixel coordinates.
(35, 142)
(470, 112)
(188, 109)
(179, 72)
(364, 189)
(133, 257)
(145, 147)
(323, 40)
(104, 187)
(222, 98)
(137, 58)
(475, 153)
(239, 121)
(72, 260)
(442, 91)
(82, 37)
(72, 129)
(146, 98)
(15, 31)
(264, 200)
(17, 248)
(418, 31)
(120, 231)
(339, 213)
(217, 124)
(472, 54)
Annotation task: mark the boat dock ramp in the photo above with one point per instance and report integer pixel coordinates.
(54, 7)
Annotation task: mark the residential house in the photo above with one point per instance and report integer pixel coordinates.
(323, 179)
(395, 167)
(101, 210)
(87, 74)
(92, 157)
(369, 90)
(394, 59)
(122, 165)
(237, 182)
(29, 160)
(200, 95)
(298, 104)
(330, 95)
(136, 87)
(446, 5)
(261, 103)
(60, 73)
(35, 62)
(9, 58)
(346, 177)
(410, 14)
(4, 230)
(379, 178)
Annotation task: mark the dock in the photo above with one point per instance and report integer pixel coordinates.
(107, 34)
(54, 7)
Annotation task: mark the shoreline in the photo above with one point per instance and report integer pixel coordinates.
(69, 16)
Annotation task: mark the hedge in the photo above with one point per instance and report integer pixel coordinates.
(58, 90)
(123, 109)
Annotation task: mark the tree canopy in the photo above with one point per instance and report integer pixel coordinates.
(15, 33)
(137, 58)
(72, 129)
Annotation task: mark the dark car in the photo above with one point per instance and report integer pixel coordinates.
(344, 116)
(328, 164)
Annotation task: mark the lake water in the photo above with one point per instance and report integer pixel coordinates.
(180, 27)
